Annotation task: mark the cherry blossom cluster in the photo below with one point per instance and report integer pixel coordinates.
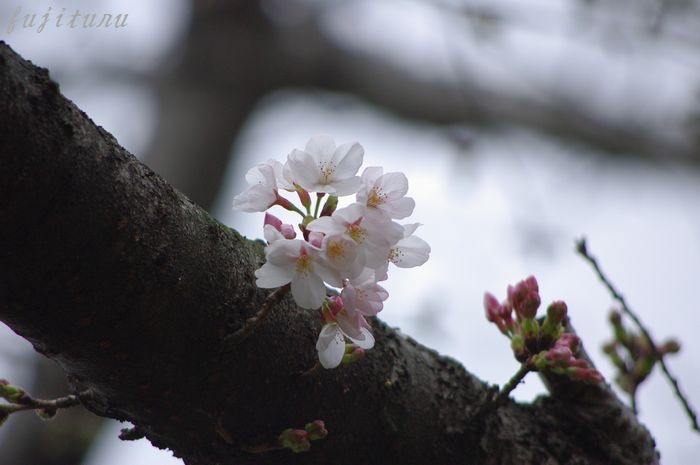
(543, 347)
(348, 248)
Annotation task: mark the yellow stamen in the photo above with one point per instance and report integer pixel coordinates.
(335, 250)
(303, 264)
(375, 198)
(357, 233)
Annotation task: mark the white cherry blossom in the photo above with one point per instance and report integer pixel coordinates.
(385, 194)
(323, 167)
(340, 252)
(297, 262)
(374, 236)
(410, 251)
(363, 294)
(331, 340)
(262, 189)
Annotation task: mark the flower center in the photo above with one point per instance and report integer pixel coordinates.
(357, 233)
(303, 264)
(361, 294)
(376, 197)
(335, 250)
(395, 255)
(327, 169)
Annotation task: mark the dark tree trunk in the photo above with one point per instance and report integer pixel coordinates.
(135, 292)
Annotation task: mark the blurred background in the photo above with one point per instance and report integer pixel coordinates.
(522, 125)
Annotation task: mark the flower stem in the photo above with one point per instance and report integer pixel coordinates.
(319, 196)
(272, 299)
(512, 383)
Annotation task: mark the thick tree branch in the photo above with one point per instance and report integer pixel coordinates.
(133, 290)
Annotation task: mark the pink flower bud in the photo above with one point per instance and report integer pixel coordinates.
(316, 239)
(587, 375)
(569, 340)
(491, 306)
(578, 362)
(558, 354)
(525, 298)
(335, 304)
(330, 206)
(273, 221)
(297, 440)
(284, 203)
(353, 353)
(556, 312)
(670, 347)
(303, 197)
(288, 231)
(330, 308)
(316, 429)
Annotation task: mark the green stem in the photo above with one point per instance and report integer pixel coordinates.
(319, 196)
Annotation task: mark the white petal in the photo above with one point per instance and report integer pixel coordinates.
(280, 178)
(271, 234)
(321, 147)
(284, 252)
(328, 274)
(394, 185)
(400, 208)
(382, 233)
(344, 186)
(256, 198)
(270, 276)
(382, 293)
(350, 324)
(326, 225)
(348, 159)
(303, 169)
(308, 290)
(382, 273)
(330, 346)
(410, 252)
(349, 214)
(375, 255)
(371, 174)
(409, 229)
(365, 277)
(366, 341)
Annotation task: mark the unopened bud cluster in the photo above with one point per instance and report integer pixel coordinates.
(545, 346)
(633, 355)
(299, 440)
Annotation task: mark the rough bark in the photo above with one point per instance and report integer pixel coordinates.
(135, 292)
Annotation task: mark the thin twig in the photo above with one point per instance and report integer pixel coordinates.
(273, 299)
(582, 249)
(512, 383)
(30, 403)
